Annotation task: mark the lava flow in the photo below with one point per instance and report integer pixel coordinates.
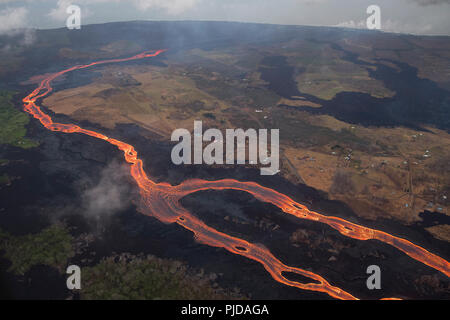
(161, 200)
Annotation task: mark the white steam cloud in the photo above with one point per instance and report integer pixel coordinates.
(14, 23)
(110, 195)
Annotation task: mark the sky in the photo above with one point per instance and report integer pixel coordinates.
(426, 17)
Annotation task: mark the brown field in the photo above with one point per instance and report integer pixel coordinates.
(379, 172)
(161, 103)
(400, 184)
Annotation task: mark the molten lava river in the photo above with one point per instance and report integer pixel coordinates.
(161, 200)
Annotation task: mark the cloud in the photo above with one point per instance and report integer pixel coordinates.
(14, 23)
(59, 13)
(391, 26)
(13, 19)
(109, 195)
(353, 24)
(172, 7)
(402, 27)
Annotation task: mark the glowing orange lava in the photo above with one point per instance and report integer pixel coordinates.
(162, 201)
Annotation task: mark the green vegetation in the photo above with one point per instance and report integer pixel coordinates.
(119, 277)
(52, 247)
(131, 277)
(12, 123)
(4, 179)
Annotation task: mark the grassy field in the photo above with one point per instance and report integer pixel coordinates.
(52, 247)
(149, 278)
(120, 277)
(13, 123)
